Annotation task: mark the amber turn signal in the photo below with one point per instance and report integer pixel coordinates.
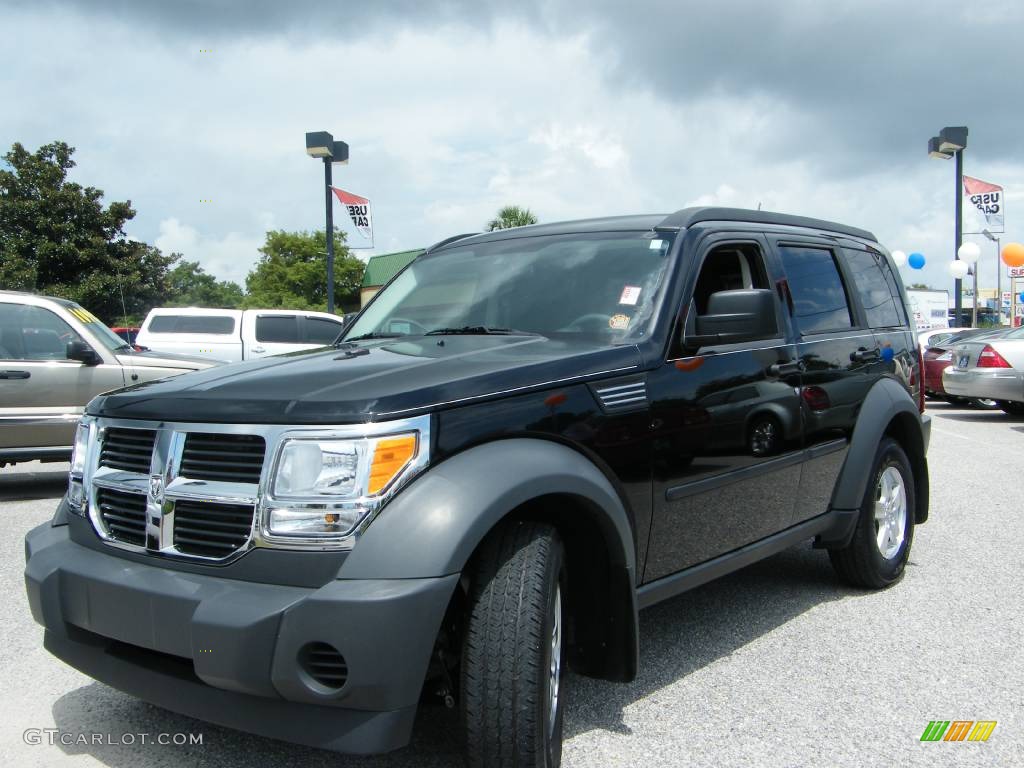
(390, 456)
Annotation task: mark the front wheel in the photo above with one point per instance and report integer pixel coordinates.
(513, 687)
(880, 547)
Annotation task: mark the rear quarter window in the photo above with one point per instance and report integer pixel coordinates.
(215, 325)
(875, 292)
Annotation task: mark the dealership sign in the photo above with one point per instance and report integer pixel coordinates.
(985, 203)
(358, 210)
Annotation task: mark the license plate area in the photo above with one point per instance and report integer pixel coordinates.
(962, 362)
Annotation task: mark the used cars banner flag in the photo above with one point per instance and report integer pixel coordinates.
(987, 201)
(358, 210)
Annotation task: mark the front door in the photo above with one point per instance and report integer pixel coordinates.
(726, 423)
(42, 393)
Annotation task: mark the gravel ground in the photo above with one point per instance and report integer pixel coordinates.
(777, 665)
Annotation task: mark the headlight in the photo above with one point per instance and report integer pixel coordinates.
(322, 488)
(79, 454)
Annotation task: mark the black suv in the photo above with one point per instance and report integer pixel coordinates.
(526, 437)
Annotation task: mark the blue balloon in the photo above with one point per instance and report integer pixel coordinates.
(916, 260)
(1021, 297)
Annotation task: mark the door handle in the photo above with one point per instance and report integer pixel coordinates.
(784, 369)
(259, 350)
(15, 374)
(865, 355)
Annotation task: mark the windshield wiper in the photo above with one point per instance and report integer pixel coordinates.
(478, 330)
(373, 335)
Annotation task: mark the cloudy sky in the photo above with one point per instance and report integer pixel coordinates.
(575, 109)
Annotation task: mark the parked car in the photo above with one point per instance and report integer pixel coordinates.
(989, 367)
(231, 335)
(54, 357)
(128, 333)
(479, 486)
(938, 356)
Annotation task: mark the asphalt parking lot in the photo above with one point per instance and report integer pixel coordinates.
(776, 665)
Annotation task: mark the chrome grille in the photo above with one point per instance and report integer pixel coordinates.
(127, 449)
(211, 529)
(123, 515)
(217, 456)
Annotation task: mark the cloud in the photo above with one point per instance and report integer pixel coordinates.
(574, 110)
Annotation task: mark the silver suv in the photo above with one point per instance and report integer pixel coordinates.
(55, 356)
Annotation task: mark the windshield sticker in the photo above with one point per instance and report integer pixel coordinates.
(630, 295)
(84, 315)
(618, 322)
(655, 244)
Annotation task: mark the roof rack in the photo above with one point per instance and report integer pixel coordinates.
(689, 216)
(448, 240)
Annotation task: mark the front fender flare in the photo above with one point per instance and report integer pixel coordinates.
(432, 527)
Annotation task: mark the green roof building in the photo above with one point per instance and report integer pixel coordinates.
(380, 269)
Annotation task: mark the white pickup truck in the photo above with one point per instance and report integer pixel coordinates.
(233, 334)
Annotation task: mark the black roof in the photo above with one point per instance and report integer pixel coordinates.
(681, 219)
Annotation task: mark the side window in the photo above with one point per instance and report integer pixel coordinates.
(727, 268)
(819, 300)
(219, 325)
(894, 290)
(277, 329)
(321, 331)
(33, 333)
(875, 293)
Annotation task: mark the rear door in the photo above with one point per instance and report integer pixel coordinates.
(42, 393)
(270, 333)
(839, 359)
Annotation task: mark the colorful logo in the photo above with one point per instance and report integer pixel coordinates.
(958, 730)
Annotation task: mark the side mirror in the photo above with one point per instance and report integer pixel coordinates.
(82, 352)
(735, 316)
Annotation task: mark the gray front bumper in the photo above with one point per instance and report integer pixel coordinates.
(993, 383)
(227, 651)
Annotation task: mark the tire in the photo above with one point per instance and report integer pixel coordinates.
(764, 436)
(872, 559)
(1011, 407)
(515, 629)
(983, 404)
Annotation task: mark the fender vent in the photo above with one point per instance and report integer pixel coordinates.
(619, 395)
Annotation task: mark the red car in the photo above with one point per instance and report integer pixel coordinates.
(128, 333)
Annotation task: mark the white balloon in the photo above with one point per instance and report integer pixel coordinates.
(899, 257)
(969, 252)
(958, 270)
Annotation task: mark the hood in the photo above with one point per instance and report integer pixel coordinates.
(367, 381)
(164, 360)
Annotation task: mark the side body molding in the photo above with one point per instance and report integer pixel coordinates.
(888, 407)
(433, 527)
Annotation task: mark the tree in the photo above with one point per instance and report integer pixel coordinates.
(57, 238)
(511, 216)
(189, 285)
(292, 273)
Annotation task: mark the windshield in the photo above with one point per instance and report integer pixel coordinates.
(103, 334)
(593, 287)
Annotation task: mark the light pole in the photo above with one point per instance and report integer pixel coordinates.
(951, 142)
(999, 276)
(321, 144)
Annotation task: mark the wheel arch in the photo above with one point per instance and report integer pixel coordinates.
(888, 410)
(436, 526)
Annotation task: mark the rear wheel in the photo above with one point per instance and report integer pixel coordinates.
(983, 403)
(513, 689)
(1011, 407)
(880, 547)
